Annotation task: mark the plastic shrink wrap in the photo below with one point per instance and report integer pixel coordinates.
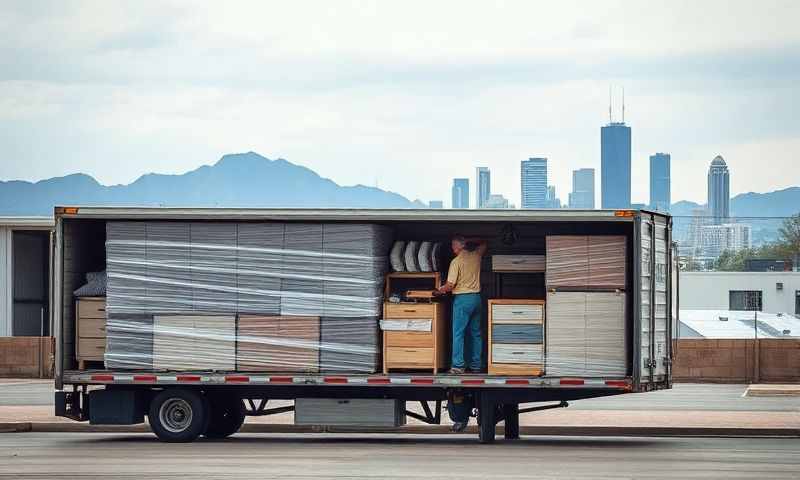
(269, 296)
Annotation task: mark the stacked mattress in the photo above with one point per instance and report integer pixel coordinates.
(585, 279)
(267, 296)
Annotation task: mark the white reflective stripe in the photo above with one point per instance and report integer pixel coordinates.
(594, 381)
(356, 379)
(123, 378)
(166, 378)
(401, 381)
(496, 381)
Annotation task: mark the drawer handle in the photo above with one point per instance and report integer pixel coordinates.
(517, 262)
(101, 309)
(518, 312)
(411, 351)
(409, 310)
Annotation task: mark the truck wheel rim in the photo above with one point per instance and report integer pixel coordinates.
(175, 415)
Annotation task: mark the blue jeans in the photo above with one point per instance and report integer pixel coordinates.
(467, 323)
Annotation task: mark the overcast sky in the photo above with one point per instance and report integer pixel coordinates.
(404, 94)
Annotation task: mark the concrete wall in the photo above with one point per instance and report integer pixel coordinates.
(710, 290)
(734, 361)
(27, 357)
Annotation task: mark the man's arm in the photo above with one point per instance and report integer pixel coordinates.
(482, 247)
(445, 289)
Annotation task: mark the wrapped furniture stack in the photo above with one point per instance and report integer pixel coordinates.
(586, 299)
(266, 296)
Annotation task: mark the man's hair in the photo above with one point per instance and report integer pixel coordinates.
(460, 239)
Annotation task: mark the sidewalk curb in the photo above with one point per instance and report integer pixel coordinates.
(552, 430)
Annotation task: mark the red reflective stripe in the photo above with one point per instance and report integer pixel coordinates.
(472, 381)
(571, 381)
(188, 378)
(616, 383)
(516, 381)
(379, 380)
(102, 378)
(427, 381)
(335, 379)
(144, 378)
(281, 379)
(237, 378)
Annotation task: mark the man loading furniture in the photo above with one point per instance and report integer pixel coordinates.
(464, 282)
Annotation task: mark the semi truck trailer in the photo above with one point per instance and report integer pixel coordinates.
(193, 319)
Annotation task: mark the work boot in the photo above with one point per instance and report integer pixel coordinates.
(458, 427)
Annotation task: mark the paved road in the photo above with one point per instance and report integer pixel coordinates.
(682, 397)
(34, 455)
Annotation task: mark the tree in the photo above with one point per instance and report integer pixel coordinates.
(789, 235)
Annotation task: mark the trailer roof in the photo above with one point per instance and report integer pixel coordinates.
(26, 222)
(348, 214)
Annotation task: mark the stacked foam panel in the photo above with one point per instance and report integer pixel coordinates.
(259, 267)
(585, 276)
(280, 344)
(176, 288)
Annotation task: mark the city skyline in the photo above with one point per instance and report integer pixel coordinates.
(660, 182)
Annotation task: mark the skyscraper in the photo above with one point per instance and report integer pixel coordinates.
(659, 182)
(534, 183)
(552, 199)
(582, 195)
(719, 198)
(615, 165)
(483, 186)
(460, 193)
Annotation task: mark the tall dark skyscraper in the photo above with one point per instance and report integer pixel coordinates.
(534, 183)
(582, 195)
(483, 182)
(615, 166)
(719, 193)
(659, 182)
(460, 193)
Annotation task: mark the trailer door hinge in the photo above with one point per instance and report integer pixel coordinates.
(666, 361)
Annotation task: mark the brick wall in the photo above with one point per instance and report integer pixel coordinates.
(707, 360)
(27, 357)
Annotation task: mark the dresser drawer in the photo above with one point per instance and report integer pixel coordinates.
(91, 348)
(409, 339)
(513, 353)
(92, 328)
(520, 313)
(91, 308)
(422, 357)
(406, 310)
(518, 263)
(517, 333)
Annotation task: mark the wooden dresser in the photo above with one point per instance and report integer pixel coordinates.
(417, 350)
(516, 337)
(90, 330)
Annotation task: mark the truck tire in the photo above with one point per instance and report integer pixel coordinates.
(226, 417)
(487, 419)
(177, 415)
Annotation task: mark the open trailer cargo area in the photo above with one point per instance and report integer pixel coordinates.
(196, 310)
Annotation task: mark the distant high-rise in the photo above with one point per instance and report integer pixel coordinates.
(460, 193)
(435, 204)
(483, 187)
(582, 195)
(552, 199)
(659, 182)
(615, 166)
(534, 183)
(498, 201)
(719, 198)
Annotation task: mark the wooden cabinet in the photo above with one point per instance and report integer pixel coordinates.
(90, 341)
(516, 337)
(416, 350)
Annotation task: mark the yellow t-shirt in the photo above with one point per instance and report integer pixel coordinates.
(465, 272)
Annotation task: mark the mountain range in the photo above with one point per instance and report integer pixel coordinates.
(251, 180)
(236, 180)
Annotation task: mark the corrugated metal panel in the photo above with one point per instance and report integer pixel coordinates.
(5, 282)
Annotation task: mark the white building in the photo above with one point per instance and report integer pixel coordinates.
(25, 266)
(715, 239)
(777, 292)
(497, 201)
